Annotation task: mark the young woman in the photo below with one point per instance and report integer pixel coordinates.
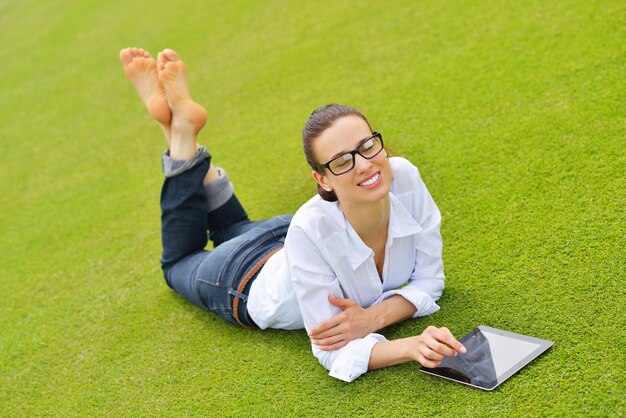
(337, 267)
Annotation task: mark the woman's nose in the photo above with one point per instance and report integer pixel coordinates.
(361, 163)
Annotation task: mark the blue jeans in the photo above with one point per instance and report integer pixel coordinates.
(210, 279)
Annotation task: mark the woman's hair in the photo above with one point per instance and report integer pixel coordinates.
(321, 119)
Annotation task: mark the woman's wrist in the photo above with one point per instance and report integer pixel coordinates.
(392, 352)
(390, 311)
(410, 347)
(376, 319)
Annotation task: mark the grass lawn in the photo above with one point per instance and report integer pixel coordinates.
(513, 111)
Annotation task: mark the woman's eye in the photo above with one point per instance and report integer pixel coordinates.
(343, 160)
(341, 163)
(368, 145)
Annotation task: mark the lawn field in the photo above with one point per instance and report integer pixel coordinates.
(513, 111)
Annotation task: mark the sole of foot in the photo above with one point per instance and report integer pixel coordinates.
(141, 70)
(186, 114)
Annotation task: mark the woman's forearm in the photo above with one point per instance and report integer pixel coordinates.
(429, 348)
(390, 311)
(394, 352)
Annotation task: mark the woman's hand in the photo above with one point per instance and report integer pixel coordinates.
(354, 322)
(432, 345)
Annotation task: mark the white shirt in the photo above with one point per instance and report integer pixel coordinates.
(323, 255)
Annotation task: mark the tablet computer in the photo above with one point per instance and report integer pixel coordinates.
(492, 356)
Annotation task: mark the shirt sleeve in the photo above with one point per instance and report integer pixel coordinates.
(313, 281)
(426, 283)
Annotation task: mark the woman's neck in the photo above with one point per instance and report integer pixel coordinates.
(370, 220)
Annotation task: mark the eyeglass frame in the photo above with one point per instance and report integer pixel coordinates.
(320, 167)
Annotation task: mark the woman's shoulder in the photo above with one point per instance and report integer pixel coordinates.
(402, 166)
(405, 175)
(318, 215)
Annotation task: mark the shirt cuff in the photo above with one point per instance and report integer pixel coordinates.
(424, 304)
(354, 358)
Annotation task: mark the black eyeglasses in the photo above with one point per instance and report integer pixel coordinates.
(341, 164)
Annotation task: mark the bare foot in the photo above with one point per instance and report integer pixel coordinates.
(141, 70)
(187, 115)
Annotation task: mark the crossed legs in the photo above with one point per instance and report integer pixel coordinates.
(196, 195)
(162, 87)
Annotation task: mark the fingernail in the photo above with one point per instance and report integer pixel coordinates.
(463, 349)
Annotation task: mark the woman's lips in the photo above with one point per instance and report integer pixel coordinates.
(371, 182)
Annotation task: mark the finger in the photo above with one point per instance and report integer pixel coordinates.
(333, 347)
(325, 326)
(327, 341)
(445, 336)
(431, 355)
(342, 303)
(440, 348)
(428, 363)
(338, 329)
(434, 356)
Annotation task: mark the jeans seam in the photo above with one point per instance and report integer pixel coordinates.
(260, 240)
(225, 265)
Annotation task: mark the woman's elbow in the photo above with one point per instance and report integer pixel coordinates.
(325, 357)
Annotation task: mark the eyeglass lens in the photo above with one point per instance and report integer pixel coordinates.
(345, 162)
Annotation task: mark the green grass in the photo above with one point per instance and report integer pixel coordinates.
(514, 112)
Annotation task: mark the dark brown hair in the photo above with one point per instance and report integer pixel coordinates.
(321, 119)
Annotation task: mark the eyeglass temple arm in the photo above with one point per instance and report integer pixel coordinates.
(317, 167)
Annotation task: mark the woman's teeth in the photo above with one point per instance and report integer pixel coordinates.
(370, 181)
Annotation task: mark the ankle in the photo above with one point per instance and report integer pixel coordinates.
(182, 153)
(174, 165)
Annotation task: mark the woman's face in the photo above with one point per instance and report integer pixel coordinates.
(369, 180)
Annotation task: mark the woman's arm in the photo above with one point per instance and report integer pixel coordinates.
(428, 348)
(356, 322)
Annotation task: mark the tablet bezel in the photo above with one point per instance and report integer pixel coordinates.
(543, 346)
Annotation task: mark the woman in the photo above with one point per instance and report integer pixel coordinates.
(336, 267)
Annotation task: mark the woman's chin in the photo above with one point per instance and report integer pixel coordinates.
(381, 191)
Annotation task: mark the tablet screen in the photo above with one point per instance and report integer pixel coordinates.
(492, 356)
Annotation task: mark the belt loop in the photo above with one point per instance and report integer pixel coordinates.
(240, 295)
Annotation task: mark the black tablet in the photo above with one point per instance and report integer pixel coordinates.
(492, 356)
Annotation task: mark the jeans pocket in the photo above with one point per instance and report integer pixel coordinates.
(214, 274)
(218, 268)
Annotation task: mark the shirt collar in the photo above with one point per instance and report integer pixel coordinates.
(401, 224)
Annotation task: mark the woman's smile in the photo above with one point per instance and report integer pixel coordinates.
(371, 181)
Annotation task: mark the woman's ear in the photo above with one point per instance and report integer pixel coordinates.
(321, 180)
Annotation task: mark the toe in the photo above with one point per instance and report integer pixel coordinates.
(126, 56)
(170, 54)
(160, 62)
